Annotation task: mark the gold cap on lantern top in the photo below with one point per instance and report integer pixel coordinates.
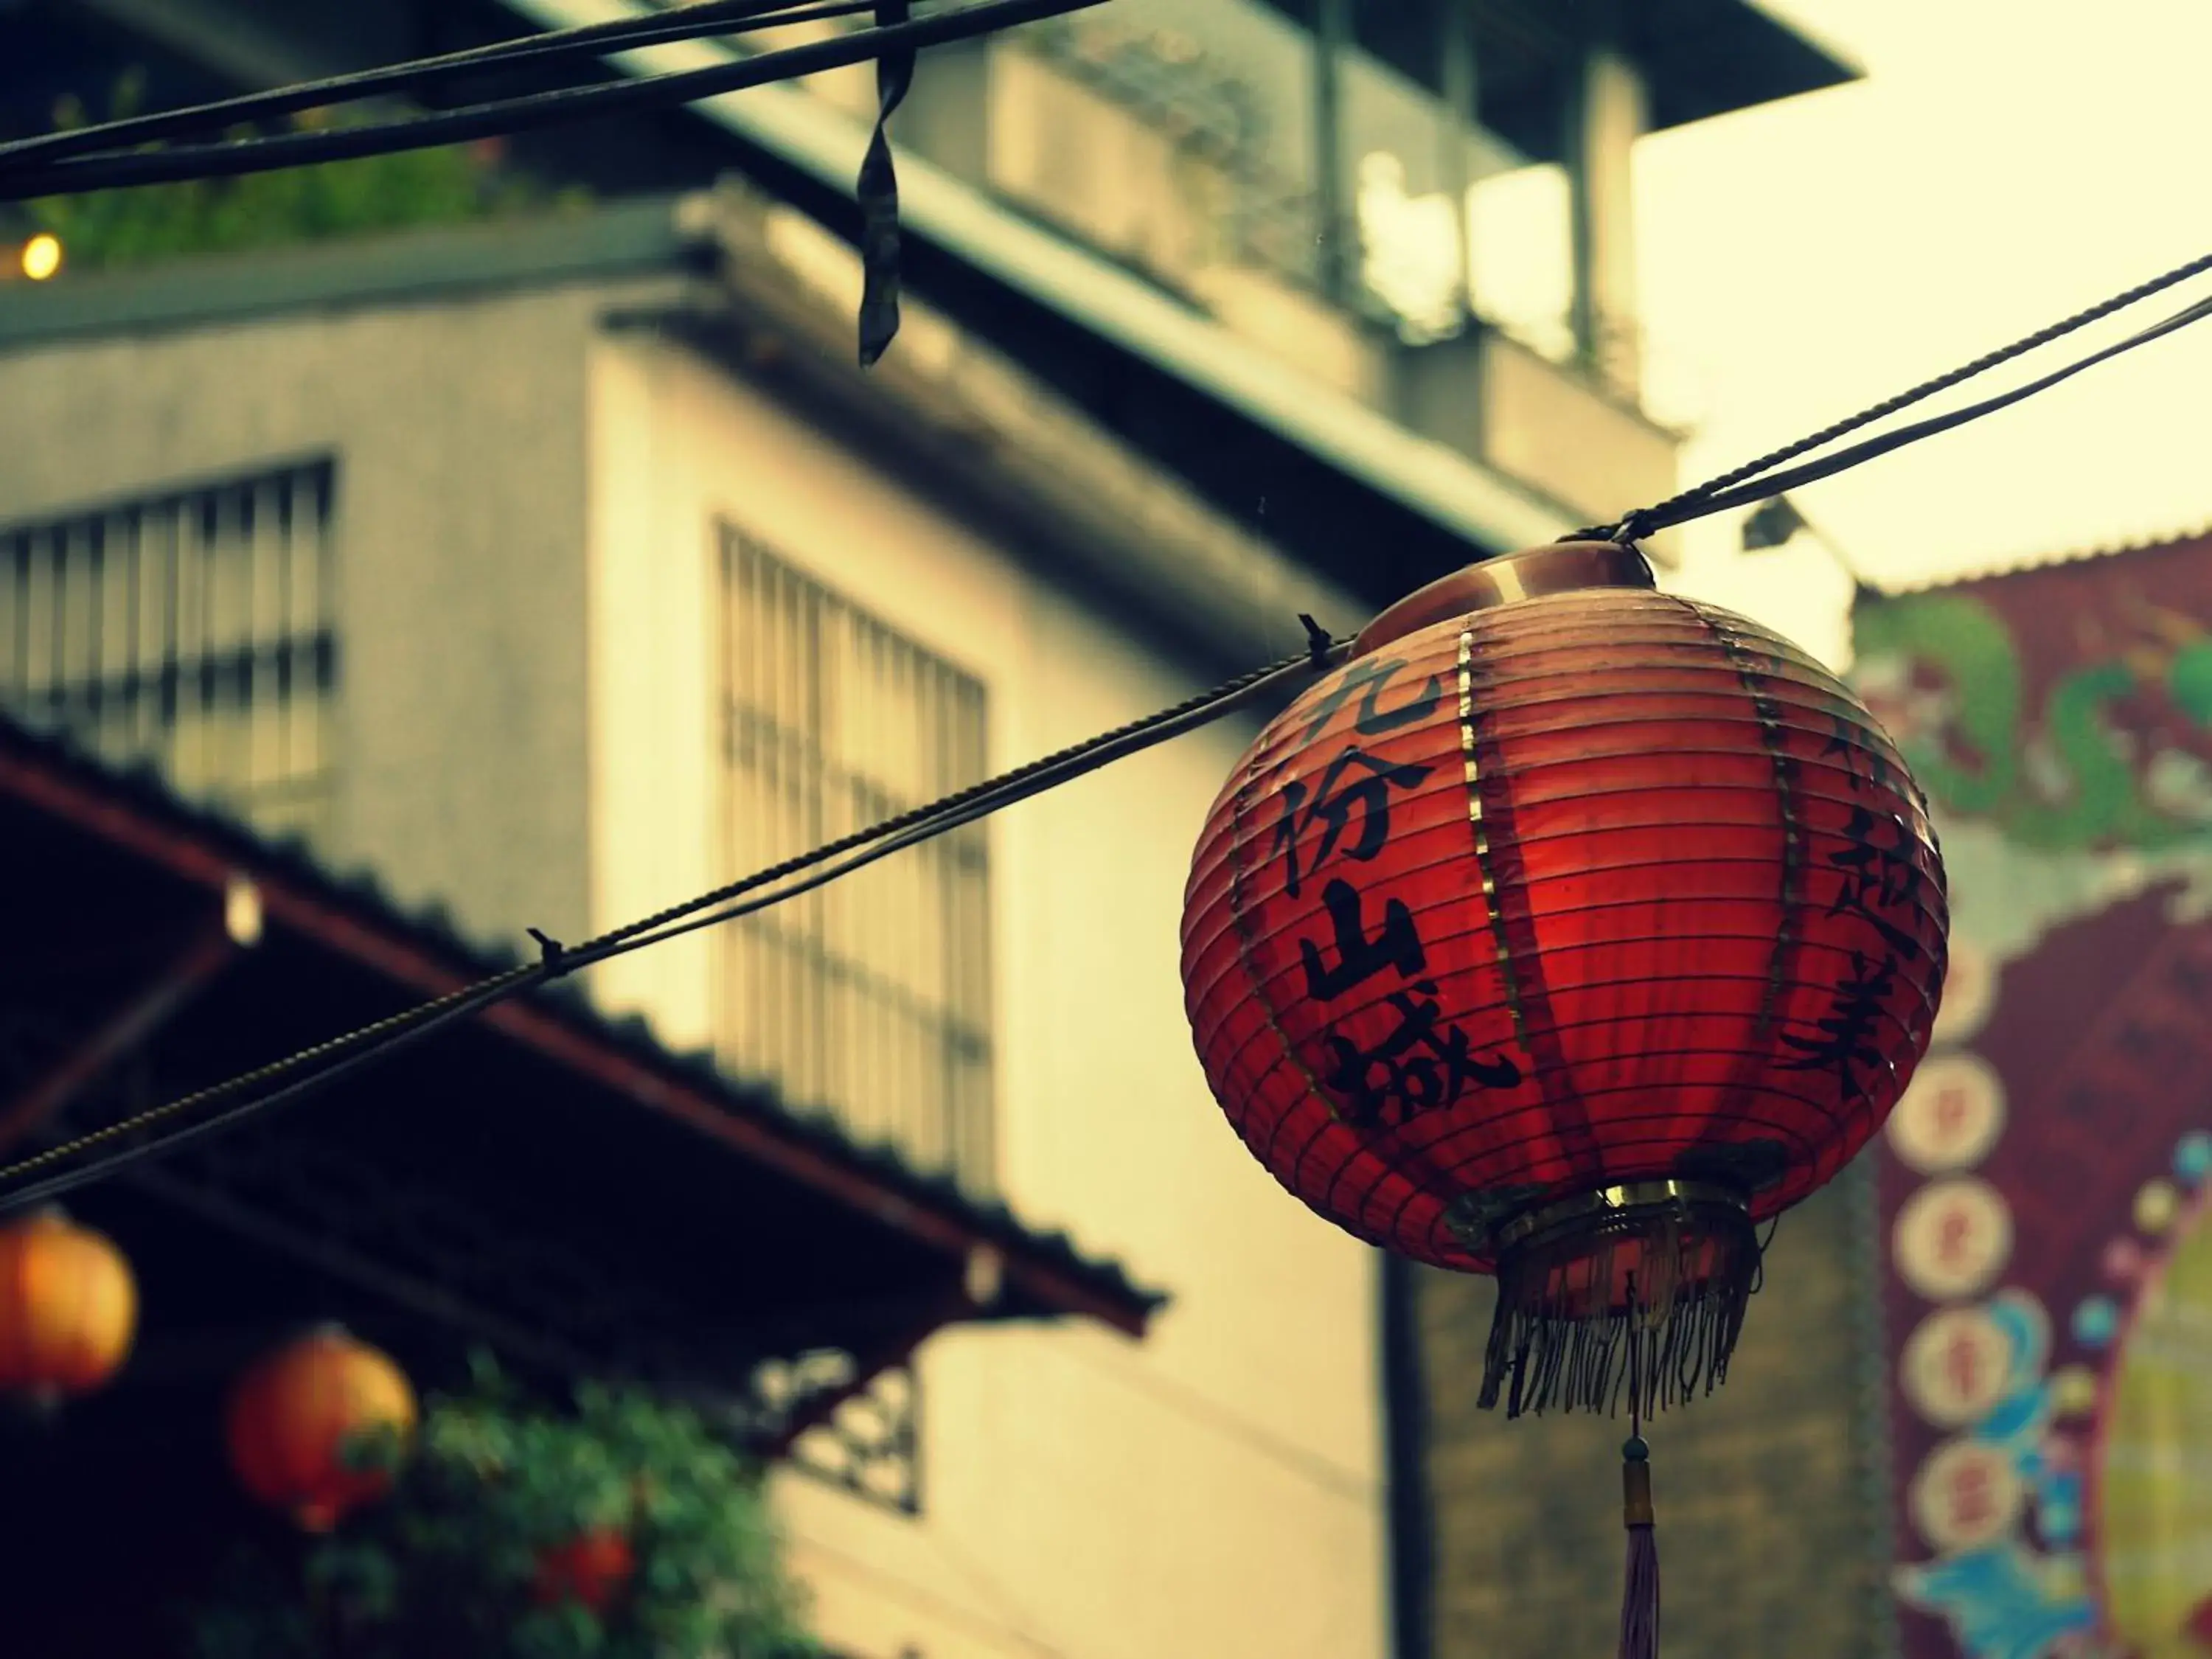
(1555, 568)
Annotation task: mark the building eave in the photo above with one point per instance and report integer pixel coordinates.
(151, 829)
(1873, 592)
(1699, 58)
(1706, 59)
(641, 237)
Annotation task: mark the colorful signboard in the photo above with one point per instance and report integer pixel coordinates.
(2043, 1185)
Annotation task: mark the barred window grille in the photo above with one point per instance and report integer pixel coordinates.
(871, 996)
(191, 628)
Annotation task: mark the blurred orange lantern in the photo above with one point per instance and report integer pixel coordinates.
(593, 1568)
(68, 1309)
(298, 1417)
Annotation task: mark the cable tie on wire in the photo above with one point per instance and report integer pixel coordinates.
(552, 953)
(1319, 642)
(1634, 528)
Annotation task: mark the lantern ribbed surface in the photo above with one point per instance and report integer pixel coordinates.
(1565, 938)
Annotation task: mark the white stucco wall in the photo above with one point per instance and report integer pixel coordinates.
(458, 429)
(1215, 1490)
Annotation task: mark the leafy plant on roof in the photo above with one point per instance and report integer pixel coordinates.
(111, 228)
(475, 1552)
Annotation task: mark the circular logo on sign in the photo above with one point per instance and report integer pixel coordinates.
(1966, 1495)
(2192, 1158)
(1970, 991)
(2156, 1206)
(1951, 1115)
(1956, 1366)
(1952, 1238)
(2074, 1391)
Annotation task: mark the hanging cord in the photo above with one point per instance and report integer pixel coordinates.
(1759, 1271)
(1635, 1364)
(23, 1181)
(26, 171)
(1639, 1594)
(1751, 482)
(876, 192)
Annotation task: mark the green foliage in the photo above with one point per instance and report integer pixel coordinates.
(449, 1563)
(111, 228)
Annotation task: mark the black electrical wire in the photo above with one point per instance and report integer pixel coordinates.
(196, 1115)
(701, 20)
(358, 1049)
(501, 116)
(1812, 471)
(1750, 483)
(326, 1063)
(86, 165)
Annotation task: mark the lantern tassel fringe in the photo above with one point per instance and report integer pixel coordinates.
(1561, 1340)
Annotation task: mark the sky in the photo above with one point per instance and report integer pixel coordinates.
(2004, 162)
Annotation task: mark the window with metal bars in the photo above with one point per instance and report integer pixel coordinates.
(191, 627)
(872, 996)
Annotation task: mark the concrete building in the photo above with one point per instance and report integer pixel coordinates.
(559, 572)
(558, 575)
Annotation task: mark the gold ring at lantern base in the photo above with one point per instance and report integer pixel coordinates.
(1635, 1290)
(1601, 1203)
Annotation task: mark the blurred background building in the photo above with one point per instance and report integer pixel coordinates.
(558, 566)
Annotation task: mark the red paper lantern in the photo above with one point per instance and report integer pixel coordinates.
(594, 1568)
(68, 1309)
(1566, 931)
(296, 1418)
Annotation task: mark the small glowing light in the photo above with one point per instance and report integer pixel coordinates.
(241, 912)
(2192, 1158)
(42, 256)
(2064, 1578)
(2074, 1391)
(2155, 1206)
(2096, 1321)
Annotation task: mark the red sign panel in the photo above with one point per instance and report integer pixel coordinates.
(2048, 1287)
